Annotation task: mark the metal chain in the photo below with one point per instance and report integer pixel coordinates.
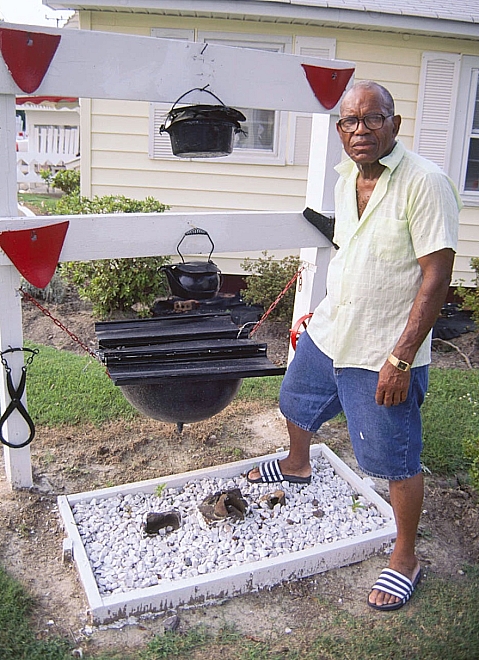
(296, 276)
(27, 362)
(75, 338)
(58, 323)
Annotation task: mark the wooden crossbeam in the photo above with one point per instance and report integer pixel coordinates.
(106, 65)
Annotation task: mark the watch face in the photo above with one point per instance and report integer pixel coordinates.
(402, 365)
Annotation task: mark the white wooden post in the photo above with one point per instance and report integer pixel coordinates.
(325, 153)
(17, 461)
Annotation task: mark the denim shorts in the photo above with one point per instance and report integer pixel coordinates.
(387, 442)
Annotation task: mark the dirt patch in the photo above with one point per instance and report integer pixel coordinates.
(80, 458)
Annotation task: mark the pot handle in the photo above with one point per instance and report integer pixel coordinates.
(191, 232)
(196, 89)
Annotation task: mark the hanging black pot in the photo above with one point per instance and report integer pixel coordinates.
(196, 280)
(202, 131)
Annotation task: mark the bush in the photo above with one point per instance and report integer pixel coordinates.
(75, 204)
(67, 180)
(54, 292)
(115, 285)
(268, 278)
(470, 295)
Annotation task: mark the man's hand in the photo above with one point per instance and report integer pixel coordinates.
(393, 385)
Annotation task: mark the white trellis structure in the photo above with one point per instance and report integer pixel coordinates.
(111, 66)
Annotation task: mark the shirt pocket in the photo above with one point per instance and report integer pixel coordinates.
(391, 240)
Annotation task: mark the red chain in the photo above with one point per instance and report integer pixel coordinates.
(296, 276)
(45, 311)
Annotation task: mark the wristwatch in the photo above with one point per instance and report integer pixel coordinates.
(399, 364)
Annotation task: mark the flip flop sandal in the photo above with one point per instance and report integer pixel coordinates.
(270, 473)
(396, 584)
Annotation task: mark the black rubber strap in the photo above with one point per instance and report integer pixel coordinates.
(16, 394)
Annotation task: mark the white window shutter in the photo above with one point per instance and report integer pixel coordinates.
(300, 123)
(437, 99)
(159, 143)
(302, 138)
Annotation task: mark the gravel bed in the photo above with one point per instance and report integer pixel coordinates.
(123, 557)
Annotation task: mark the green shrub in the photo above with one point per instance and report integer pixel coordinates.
(67, 180)
(75, 204)
(47, 176)
(115, 285)
(470, 295)
(54, 292)
(268, 278)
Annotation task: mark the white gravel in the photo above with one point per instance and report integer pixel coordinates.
(123, 558)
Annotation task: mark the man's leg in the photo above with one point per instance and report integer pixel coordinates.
(406, 500)
(297, 462)
(308, 396)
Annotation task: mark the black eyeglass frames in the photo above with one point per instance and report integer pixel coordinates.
(373, 122)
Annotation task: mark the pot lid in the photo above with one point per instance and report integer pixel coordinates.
(206, 112)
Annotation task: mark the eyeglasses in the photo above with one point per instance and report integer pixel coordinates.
(372, 122)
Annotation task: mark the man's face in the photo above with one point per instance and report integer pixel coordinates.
(366, 146)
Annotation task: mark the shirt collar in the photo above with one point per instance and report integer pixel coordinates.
(391, 161)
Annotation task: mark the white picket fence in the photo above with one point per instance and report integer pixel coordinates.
(50, 147)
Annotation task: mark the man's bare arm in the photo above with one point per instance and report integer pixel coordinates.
(436, 269)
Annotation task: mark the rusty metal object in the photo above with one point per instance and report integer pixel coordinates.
(224, 504)
(156, 521)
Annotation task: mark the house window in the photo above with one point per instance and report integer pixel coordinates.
(471, 183)
(259, 133)
(270, 137)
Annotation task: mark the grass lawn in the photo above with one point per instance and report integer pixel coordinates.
(40, 203)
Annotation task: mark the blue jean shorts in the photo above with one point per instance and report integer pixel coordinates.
(387, 442)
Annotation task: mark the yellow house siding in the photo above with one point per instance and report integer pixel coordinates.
(468, 246)
(119, 135)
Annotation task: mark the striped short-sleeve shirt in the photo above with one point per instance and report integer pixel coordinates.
(374, 277)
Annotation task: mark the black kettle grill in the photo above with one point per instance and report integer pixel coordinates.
(202, 131)
(196, 280)
(181, 368)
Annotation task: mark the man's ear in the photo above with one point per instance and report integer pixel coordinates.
(397, 124)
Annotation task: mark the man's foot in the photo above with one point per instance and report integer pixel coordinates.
(393, 589)
(276, 471)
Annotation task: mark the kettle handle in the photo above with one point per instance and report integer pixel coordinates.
(191, 232)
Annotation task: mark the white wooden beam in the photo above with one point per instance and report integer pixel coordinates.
(106, 65)
(145, 234)
(17, 461)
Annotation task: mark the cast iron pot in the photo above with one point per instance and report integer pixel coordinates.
(194, 279)
(202, 131)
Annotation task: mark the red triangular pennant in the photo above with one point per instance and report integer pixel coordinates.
(28, 56)
(327, 84)
(35, 252)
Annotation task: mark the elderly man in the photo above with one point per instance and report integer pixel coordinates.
(367, 348)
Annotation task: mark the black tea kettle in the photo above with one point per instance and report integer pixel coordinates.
(197, 280)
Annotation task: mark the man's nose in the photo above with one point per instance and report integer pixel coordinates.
(362, 128)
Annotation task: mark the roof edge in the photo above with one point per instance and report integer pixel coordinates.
(334, 17)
